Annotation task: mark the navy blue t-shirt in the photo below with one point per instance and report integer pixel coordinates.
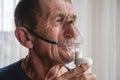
(13, 72)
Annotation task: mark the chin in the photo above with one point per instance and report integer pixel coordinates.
(66, 56)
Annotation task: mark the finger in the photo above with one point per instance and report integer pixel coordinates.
(89, 76)
(74, 72)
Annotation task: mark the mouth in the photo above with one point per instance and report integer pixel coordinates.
(67, 46)
(68, 49)
(67, 53)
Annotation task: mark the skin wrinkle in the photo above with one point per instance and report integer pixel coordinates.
(65, 14)
(50, 26)
(52, 17)
(51, 20)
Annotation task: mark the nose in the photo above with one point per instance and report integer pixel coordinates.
(70, 32)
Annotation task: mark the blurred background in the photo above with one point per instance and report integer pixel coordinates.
(99, 22)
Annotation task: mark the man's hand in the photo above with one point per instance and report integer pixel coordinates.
(78, 74)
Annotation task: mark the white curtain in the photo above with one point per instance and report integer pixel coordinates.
(10, 50)
(98, 20)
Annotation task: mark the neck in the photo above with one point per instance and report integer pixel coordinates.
(37, 69)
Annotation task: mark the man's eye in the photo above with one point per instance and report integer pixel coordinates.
(59, 20)
(71, 22)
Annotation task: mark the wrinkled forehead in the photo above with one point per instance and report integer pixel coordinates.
(57, 7)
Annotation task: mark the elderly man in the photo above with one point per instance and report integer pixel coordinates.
(46, 28)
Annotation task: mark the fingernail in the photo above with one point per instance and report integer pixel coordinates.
(84, 67)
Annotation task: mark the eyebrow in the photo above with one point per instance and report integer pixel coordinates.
(74, 16)
(54, 15)
(68, 1)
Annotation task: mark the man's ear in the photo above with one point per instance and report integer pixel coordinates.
(23, 37)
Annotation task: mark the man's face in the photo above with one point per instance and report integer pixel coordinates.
(57, 24)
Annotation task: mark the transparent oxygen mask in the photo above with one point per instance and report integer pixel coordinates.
(72, 44)
(79, 59)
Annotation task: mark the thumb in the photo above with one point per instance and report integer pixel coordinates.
(74, 72)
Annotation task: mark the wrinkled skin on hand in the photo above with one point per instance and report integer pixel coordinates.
(78, 74)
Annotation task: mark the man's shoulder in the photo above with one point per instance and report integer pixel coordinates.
(9, 72)
(7, 69)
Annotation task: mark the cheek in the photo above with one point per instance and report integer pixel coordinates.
(52, 33)
(41, 47)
